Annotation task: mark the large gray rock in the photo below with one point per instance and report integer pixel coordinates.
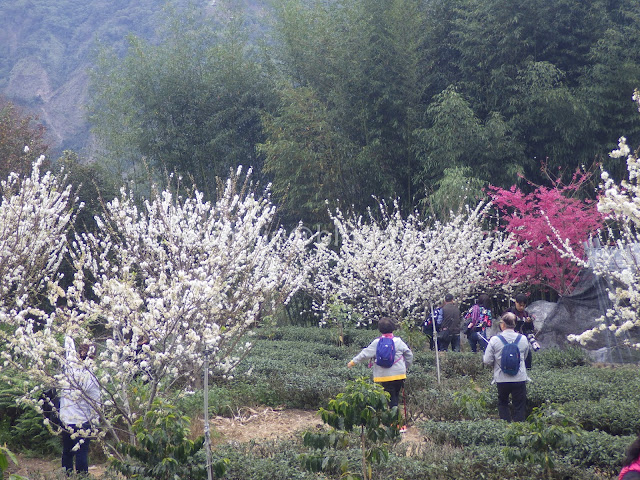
(540, 310)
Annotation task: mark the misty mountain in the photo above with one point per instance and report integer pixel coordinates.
(47, 47)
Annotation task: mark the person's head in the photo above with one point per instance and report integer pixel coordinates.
(87, 350)
(633, 452)
(386, 325)
(521, 301)
(448, 298)
(508, 321)
(484, 301)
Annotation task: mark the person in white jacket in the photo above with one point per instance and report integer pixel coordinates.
(509, 385)
(77, 406)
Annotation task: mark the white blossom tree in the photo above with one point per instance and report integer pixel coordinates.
(35, 215)
(398, 266)
(619, 259)
(159, 285)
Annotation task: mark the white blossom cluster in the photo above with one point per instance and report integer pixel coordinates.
(618, 260)
(398, 267)
(35, 214)
(166, 282)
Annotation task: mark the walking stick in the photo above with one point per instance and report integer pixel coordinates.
(404, 400)
(436, 346)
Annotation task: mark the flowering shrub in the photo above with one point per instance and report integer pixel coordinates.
(395, 266)
(530, 218)
(164, 282)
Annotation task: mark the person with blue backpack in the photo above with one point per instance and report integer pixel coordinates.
(506, 353)
(391, 360)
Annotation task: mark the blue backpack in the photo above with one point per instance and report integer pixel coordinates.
(510, 361)
(385, 352)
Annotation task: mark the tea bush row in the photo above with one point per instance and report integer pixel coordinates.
(594, 449)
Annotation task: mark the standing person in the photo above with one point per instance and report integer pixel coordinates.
(479, 318)
(427, 326)
(77, 403)
(391, 378)
(631, 465)
(450, 328)
(524, 323)
(524, 320)
(508, 383)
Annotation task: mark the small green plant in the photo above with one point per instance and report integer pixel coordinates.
(363, 407)
(163, 450)
(472, 402)
(5, 456)
(546, 430)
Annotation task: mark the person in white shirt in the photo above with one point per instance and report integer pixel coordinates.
(77, 403)
(509, 385)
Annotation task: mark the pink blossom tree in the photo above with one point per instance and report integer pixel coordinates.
(530, 218)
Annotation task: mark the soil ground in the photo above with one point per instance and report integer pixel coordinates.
(248, 424)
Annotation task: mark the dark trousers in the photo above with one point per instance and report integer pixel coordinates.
(518, 392)
(81, 454)
(475, 341)
(447, 339)
(393, 387)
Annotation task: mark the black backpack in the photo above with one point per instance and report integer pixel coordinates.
(510, 361)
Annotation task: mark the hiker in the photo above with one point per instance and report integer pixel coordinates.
(77, 403)
(391, 378)
(631, 465)
(506, 353)
(450, 328)
(478, 318)
(427, 326)
(524, 324)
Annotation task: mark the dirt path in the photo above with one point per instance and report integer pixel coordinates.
(248, 424)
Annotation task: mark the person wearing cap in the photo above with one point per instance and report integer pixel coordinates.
(514, 386)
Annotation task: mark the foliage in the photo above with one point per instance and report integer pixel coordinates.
(570, 356)
(531, 218)
(547, 430)
(472, 402)
(5, 456)
(162, 449)
(189, 104)
(17, 131)
(364, 406)
(308, 158)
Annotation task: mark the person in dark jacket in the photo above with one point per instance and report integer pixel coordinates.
(524, 322)
(450, 328)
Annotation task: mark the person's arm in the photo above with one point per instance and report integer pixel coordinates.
(408, 355)
(489, 353)
(368, 352)
(70, 349)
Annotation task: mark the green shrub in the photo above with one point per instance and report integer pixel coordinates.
(616, 416)
(163, 450)
(21, 428)
(569, 357)
(564, 385)
(464, 433)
